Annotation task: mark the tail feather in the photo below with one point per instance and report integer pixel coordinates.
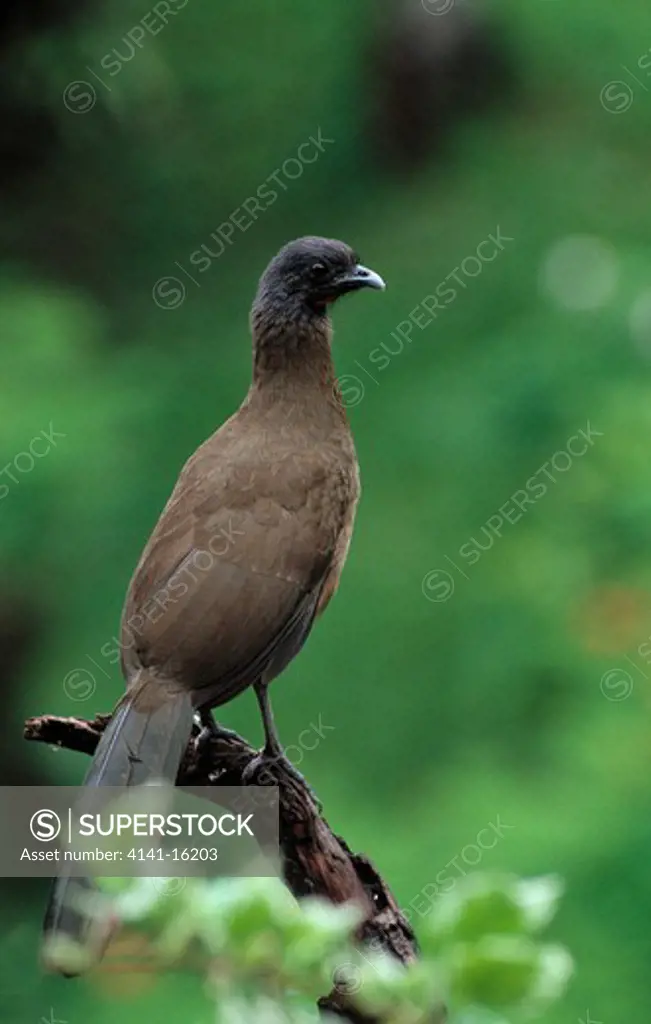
(141, 745)
(137, 745)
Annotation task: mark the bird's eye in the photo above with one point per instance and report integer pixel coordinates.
(318, 269)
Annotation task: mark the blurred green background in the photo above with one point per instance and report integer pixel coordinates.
(425, 705)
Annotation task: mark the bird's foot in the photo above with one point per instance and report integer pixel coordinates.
(209, 731)
(273, 768)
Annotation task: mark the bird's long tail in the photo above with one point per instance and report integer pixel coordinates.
(144, 740)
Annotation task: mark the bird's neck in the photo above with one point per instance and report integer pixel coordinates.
(292, 361)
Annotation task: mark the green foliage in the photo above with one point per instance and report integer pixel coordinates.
(272, 958)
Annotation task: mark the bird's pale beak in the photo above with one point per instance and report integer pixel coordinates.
(360, 277)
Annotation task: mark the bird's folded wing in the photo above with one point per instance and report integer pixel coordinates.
(221, 586)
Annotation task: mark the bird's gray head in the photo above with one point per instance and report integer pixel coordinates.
(308, 275)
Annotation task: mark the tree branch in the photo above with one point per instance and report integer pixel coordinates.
(316, 862)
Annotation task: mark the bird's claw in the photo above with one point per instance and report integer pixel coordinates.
(274, 770)
(208, 732)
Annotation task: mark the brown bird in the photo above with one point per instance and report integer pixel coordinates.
(246, 553)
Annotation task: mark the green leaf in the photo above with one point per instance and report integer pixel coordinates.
(499, 971)
(480, 905)
(539, 899)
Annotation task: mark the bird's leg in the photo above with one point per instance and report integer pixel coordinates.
(272, 747)
(272, 751)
